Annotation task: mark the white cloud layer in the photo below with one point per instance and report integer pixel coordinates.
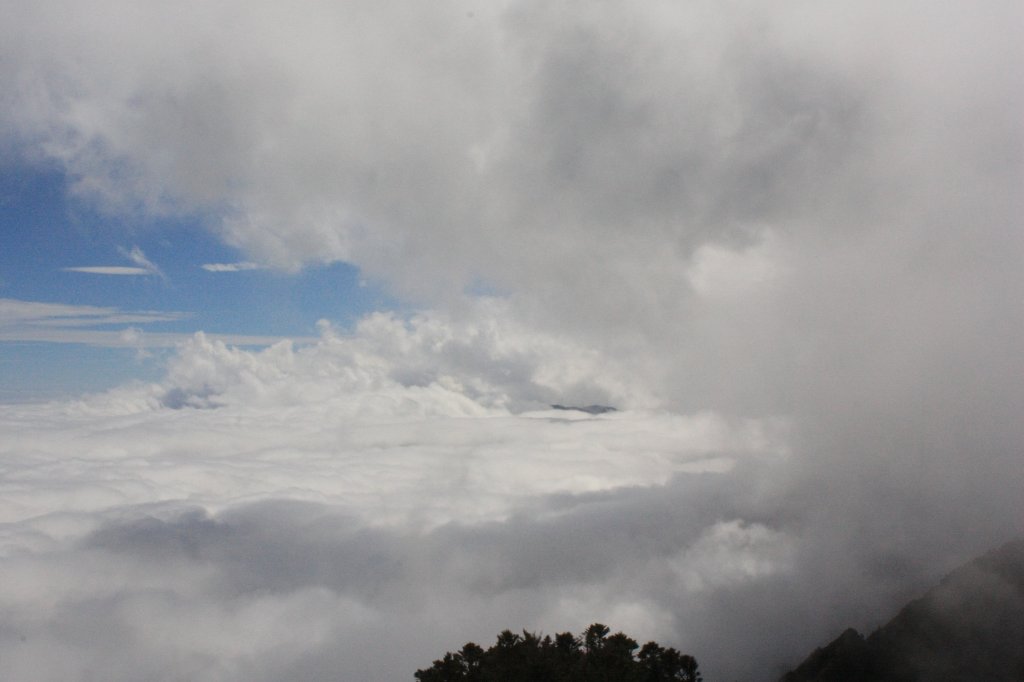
(255, 514)
(727, 218)
(361, 487)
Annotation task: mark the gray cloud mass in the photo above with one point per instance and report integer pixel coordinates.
(784, 238)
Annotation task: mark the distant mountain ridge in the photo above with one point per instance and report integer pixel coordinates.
(589, 409)
(969, 628)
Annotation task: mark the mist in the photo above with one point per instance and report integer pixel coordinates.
(783, 240)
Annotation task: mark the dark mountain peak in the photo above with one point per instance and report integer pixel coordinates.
(969, 627)
(843, 660)
(589, 409)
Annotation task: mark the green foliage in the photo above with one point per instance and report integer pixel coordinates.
(596, 656)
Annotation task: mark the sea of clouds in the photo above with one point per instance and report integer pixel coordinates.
(351, 508)
(784, 239)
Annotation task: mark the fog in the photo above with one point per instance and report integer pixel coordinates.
(784, 240)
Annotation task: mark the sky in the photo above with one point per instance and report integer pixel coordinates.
(287, 293)
(124, 286)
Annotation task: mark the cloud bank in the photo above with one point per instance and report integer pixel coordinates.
(358, 487)
(302, 509)
(786, 239)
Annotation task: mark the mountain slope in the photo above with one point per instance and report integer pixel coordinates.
(969, 627)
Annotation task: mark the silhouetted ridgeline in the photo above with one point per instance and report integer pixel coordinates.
(969, 628)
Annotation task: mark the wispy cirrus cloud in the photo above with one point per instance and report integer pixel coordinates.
(108, 270)
(143, 266)
(136, 256)
(15, 312)
(85, 324)
(230, 267)
(109, 327)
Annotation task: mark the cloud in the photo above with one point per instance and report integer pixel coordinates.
(36, 321)
(376, 483)
(768, 214)
(109, 270)
(482, 355)
(136, 256)
(333, 485)
(379, 472)
(14, 312)
(143, 266)
(230, 267)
